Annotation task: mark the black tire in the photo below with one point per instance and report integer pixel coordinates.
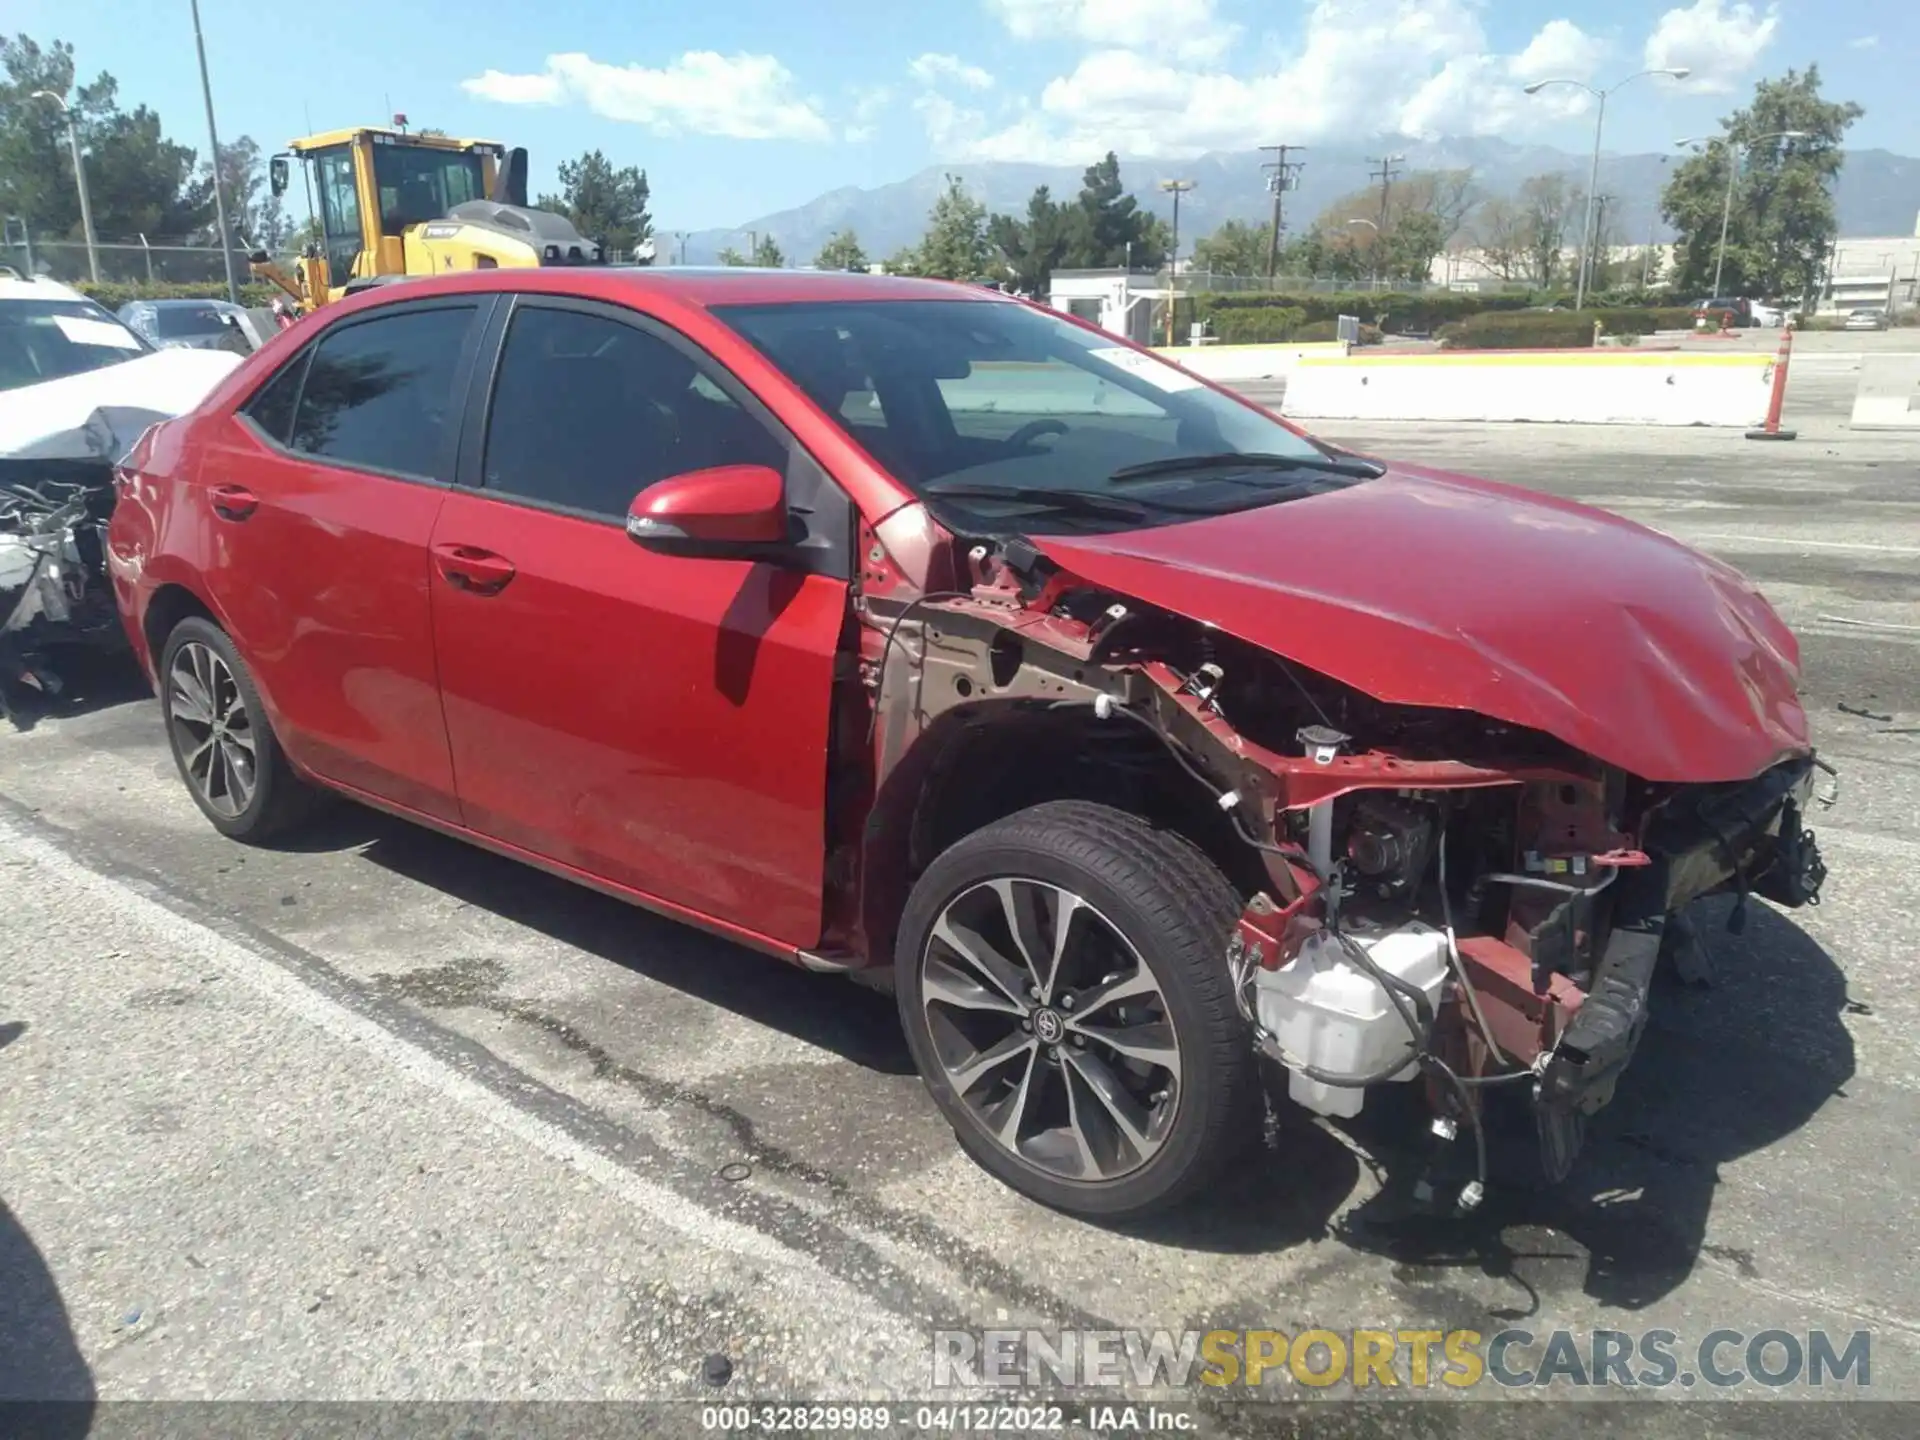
(279, 799)
(1175, 909)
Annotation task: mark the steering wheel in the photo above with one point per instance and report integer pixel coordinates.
(1033, 430)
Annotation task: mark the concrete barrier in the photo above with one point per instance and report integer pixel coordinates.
(1247, 362)
(1573, 387)
(1889, 393)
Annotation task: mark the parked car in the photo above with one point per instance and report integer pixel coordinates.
(1707, 313)
(190, 324)
(1866, 319)
(905, 629)
(49, 331)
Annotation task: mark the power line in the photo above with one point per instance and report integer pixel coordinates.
(1285, 177)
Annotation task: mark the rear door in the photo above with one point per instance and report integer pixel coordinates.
(656, 721)
(319, 499)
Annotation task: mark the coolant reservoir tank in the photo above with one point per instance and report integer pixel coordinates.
(1329, 1013)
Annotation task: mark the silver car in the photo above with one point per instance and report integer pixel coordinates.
(1866, 320)
(190, 324)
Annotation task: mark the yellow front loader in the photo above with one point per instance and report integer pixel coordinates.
(393, 205)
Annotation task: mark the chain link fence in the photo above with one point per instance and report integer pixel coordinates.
(122, 262)
(1216, 282)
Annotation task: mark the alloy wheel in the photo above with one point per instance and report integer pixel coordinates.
(213, 730)
(1051, 1029)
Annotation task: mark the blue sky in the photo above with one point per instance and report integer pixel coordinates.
(741, 107)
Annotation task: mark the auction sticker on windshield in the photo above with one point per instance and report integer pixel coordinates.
(1155, 372)
(96, 332)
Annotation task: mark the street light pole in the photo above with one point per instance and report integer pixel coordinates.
(213, 138)
(79, 180)
(1678, 72)
(1374, 249)
(1737, 150)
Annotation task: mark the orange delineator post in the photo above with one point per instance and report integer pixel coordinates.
(1771, 430)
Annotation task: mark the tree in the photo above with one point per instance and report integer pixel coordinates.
(1781, 228)
(1035, 246)
(1409, 248)
(955, 246)
(139, 182)
(1108, 228)
(841, 252)
(1499, 230)
(1548, 204)
(253, 209)
(605, 203)
(1236, 248)
(766, 254)
(731, 256)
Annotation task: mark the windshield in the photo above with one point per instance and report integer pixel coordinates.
(419, 183)
(1028, 422)
(44, 340)
(177, 322)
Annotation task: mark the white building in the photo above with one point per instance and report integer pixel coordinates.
(1874, 272)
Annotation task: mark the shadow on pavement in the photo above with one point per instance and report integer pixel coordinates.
(1719, 1074)
(837, 1015)
(88, 677)
(40, 1361)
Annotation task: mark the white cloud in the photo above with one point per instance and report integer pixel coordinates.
(1187, 29)
(1718, 42)
(543, 89)
(1422, 67)
(1363, 66)
(931, 69)
(741, 97)
(1863, 42)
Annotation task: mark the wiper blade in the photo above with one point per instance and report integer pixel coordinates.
(1356, 468)
(1079, 502)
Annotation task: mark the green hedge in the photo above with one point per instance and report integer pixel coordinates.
(1264, 325)
(1394, 313)
(1522, 330)
(115, 293)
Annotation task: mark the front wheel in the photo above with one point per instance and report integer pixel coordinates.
(1062, 979)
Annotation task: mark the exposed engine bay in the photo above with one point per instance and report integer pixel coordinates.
(54, 591)
(1432, 895)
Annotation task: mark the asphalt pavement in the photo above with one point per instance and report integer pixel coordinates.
(379, 1116)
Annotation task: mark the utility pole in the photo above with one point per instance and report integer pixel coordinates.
(1285, 177)
(213, 138)
(1386, 175)
(1175, 188)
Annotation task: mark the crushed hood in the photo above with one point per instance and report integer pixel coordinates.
(1422, 588)
(100, 413)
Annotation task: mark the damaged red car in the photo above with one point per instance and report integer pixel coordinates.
(1135, 738)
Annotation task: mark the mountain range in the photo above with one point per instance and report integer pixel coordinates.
(1878, 192)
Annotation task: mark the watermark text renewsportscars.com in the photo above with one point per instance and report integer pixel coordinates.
(1405, 1359)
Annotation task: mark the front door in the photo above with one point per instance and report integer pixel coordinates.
(318, 498)
(659, 722)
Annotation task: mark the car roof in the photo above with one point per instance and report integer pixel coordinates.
(698, 285)
(42, 289)
(206, 302)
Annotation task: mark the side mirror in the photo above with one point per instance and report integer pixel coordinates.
(727, 510)
(277, 174)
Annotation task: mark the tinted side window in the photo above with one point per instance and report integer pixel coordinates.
(588, 411)
(272, 405)
(379, 392)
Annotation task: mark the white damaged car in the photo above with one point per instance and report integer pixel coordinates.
(77, 390)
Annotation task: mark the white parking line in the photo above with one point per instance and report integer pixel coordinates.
(1807, 544)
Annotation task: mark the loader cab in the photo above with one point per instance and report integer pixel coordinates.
(368, 187)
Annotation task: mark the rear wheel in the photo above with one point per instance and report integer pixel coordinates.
(224, 747)
(1063, 983)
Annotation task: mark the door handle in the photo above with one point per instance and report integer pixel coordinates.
(468, 567)
(234, 502)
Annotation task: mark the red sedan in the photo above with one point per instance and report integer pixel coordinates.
(896, 627)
